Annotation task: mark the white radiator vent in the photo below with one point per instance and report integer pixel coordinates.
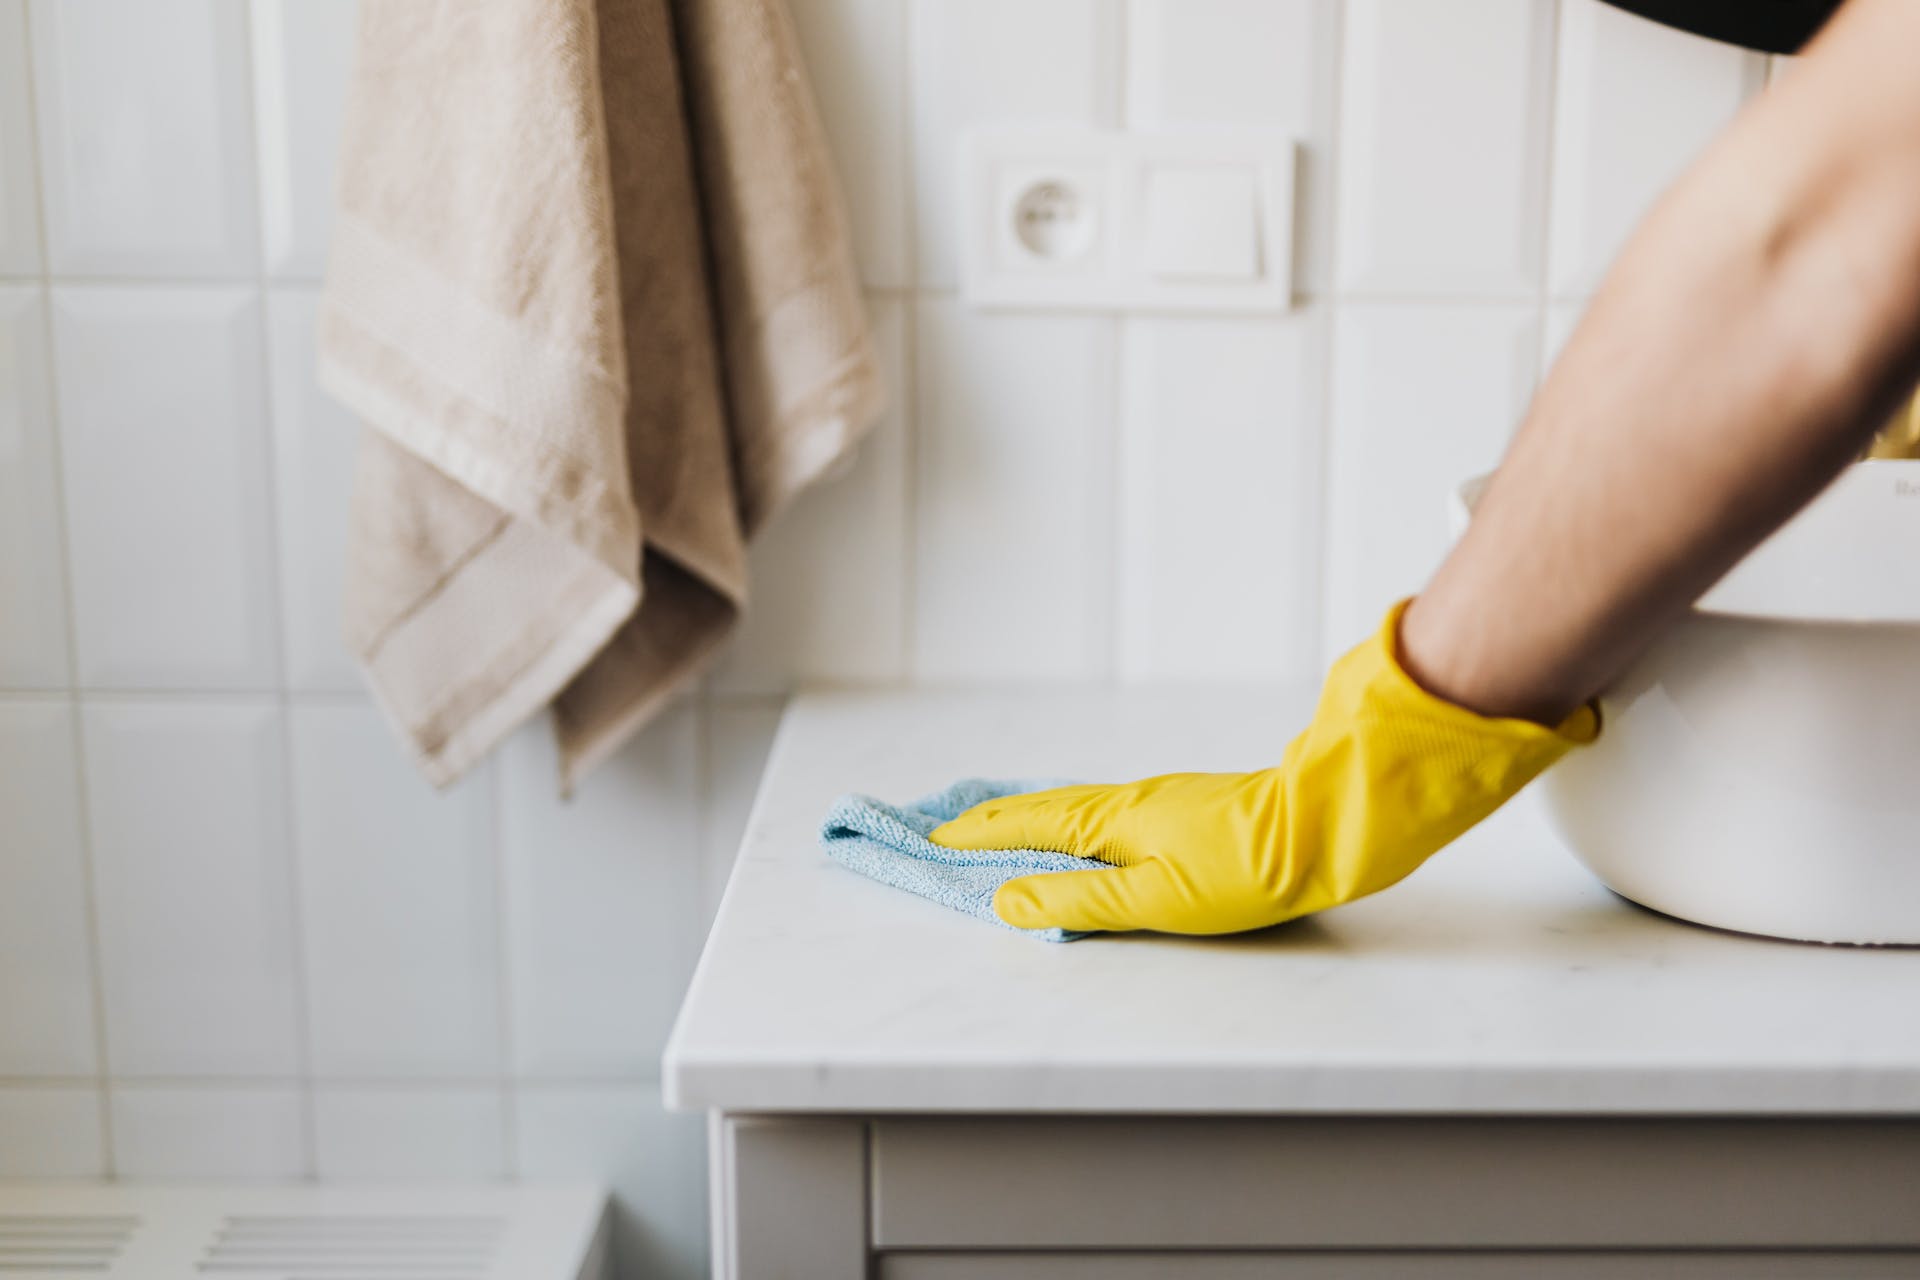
(58, 1244)
(123, 1232)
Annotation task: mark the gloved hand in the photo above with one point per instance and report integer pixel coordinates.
(1385, 776)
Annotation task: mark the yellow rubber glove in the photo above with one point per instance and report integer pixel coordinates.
(1385, 776)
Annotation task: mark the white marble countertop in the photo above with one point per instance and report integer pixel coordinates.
(1500, 978)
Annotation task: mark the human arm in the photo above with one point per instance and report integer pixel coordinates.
(1763, 320)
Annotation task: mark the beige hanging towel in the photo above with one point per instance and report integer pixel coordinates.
(591, 293)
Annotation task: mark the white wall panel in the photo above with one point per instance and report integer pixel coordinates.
(209, 1134)
(51, 1131)
(437, 1133)
(1220, 498)
(603, 899)
(163, 441)
(738, 738)
(46, 972)
(33, 600)
(1014, 559)
(829, 575)
(302, 53)
(1423, 398)
(991, 61)
(1443, 124)
(187, 808)
(397, 905)
(1268, 64)
(19, 196)
(146, 143)
(315, 440)
(856, 54)
(1637, 101)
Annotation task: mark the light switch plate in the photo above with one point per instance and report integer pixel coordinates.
(1102, 221)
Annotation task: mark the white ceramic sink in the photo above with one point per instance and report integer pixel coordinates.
(1759, 768)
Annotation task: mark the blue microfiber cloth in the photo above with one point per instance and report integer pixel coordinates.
(889, 843)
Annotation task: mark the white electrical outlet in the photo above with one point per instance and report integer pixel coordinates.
(1117, 221)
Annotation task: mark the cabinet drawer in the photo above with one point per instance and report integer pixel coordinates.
(1373, 1183)
(1400, 1266)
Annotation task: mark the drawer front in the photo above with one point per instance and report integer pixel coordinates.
(1372, 1183)
(1400, 1266)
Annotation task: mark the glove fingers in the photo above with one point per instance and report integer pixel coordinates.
(1135, 897)
(1055, 820)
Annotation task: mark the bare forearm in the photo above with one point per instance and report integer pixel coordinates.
(1762, 323)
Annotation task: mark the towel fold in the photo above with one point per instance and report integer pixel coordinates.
(592, 292)
(889, 843)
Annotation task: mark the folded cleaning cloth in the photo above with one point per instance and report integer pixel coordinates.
(591, 289)
(889, 843)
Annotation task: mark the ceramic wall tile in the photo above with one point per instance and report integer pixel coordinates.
(46, 969)
(33, 594)
(1424, 397)
(829, 575)
(976, 62)
(856, 54)
(1637, 101)
(187, 808)
(51, 1131)
(163, 441)
(1224, 64)
(302, 54)
(19, 192)
(738, 738)
(398, 914)
(440, 1133)
(603, 899)
(255, 1133)
(146, 138)
(315, 440)
(1013, 485)
(1221, 471)
(1443, 123)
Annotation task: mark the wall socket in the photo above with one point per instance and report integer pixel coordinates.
(1082, 220)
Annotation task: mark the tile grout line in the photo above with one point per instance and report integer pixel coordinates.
(1549, 172)
(503, 967)
(913, 299)
(1335, 13)
(1113, 405)
(77, 722)
(269, 417)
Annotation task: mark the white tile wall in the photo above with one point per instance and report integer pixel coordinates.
(1423, 397)
(243, 933)
(314, 439)
(1015, 542)
(1444, 145)
(46, 969)
(830, 575)
(146, 151)
(302, 52)
(1220, 498)
(163, 441)
(1636, 102)
(19, 209)
(187, 810)
(397, 906)
(1271, 64)
(604, 897)
(975, 62)
(197, 1134)
(33, 607)
(51, 1131)
(857, 52)
(443, 1133)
